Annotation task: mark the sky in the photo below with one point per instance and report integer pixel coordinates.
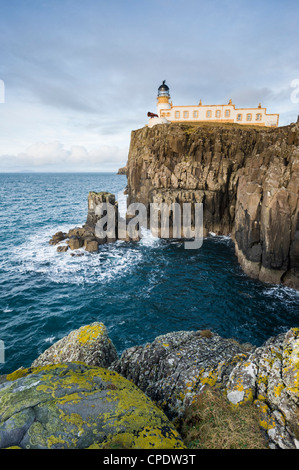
(76, 77)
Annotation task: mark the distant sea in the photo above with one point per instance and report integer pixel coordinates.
(138, 290)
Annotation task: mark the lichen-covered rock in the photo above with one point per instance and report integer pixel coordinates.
(175, 367)
(270, 378)
(90, 344)
(78, 406)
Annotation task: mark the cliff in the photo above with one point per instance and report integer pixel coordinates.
(246, 178)
(122, 171)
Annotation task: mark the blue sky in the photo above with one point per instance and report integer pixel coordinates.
(79, 76)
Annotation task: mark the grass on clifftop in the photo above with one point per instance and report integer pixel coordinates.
(211, 422)
(192, 127)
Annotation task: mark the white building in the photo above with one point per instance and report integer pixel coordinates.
(226, 113)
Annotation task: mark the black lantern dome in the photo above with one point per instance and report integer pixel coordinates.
(163, 89)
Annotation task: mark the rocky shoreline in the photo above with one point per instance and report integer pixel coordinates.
(80, 394)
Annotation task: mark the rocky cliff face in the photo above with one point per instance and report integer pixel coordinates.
(246, 178)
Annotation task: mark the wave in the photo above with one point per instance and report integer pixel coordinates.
(35, 255)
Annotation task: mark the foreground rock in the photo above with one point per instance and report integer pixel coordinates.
(171, 371)
(67, 406)
(89, 344)
(270, 378)
(246, 178)
(176, 366)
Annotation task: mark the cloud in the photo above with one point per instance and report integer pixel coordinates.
(84, 74)
(55, 156)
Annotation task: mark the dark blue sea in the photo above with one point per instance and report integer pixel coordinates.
(138, 290)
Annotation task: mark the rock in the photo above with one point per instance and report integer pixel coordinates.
(62, 248)
(270, 379)
(75, 406)
(246, 178)
(175, 367)
(57, 237)
(91, 245)
(77, 254)
(75, 242)
(89, 344)
(98, 229)
(122, 171)
(76, 232)
(102, 225)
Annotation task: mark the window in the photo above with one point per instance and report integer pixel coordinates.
(258, 117)
(248, 117)
(186, 114)
(209, 114)
(218, 113)
(227, 113)
(239, 117)
(195, 114)
(177, 114)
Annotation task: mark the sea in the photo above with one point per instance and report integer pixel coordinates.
(139, 290)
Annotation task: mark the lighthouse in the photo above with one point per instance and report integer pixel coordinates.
(163, 97)
(162, 103)
(200, 113)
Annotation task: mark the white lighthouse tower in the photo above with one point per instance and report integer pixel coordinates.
(163, 98)
(162, 103)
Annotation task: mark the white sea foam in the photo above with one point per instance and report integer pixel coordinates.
(36, 255)
(281, 292)
(147, 238)
(50, 339)
(122, 203)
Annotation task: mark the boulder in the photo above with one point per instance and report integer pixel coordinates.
(62, 248)
(270, 379)
(176, 366)
(91, 245)
(75, 406)
(89, 344)
(57, 237)
(75, 242)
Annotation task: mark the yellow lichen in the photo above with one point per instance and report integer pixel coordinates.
(90, 332)
(54, 440)
(278, 389)
(17, 374)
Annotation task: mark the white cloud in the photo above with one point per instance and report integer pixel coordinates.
(54, 155)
